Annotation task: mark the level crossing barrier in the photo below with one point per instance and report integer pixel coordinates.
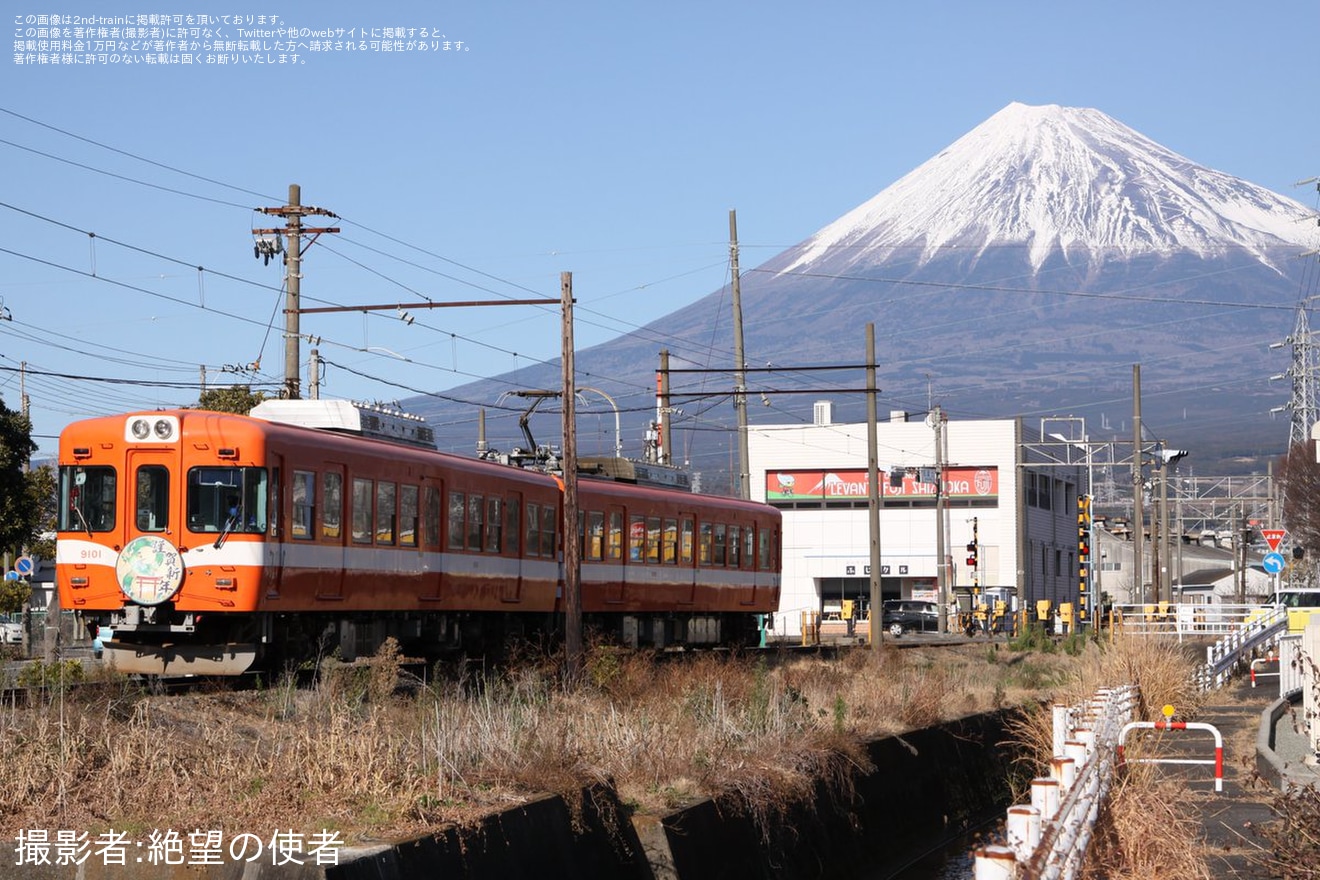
(1048, 838)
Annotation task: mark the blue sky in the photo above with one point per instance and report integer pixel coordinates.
(605, 139)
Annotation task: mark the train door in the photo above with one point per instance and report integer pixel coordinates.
(687, 556)
(616, 573)
(332, 535)
(509, 544)
(149, 494)
(274, 545)
(746, 564)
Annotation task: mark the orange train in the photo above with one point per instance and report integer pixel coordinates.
(200, 542)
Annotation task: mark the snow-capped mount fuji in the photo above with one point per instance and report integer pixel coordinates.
(1064, 180)
(1022, 271)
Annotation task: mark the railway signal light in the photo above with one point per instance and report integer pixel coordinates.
(971, 554)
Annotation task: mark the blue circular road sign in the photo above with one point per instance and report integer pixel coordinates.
(1273, 563)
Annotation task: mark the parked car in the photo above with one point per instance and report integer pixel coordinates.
(11, 631)
(906, 615)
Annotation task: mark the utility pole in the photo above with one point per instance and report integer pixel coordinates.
(1138, 514)
(873, 493)
(665, 411)
(941, 567)
(572, 554)
(293, 230)
(739, 364)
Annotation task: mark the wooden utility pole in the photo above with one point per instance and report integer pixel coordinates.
(873, 493)
(572, 554)
(293, 230)
(739, 364)
(665, 414)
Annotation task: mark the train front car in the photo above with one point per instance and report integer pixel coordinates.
(161, 533)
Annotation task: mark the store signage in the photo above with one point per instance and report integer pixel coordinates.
(819, 485)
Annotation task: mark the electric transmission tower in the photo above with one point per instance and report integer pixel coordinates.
(1305, 375)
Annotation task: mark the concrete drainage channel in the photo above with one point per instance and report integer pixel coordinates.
(928, 786)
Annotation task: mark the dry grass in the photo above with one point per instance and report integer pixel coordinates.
(357, 755)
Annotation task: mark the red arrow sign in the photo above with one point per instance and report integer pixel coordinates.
(1273, 537)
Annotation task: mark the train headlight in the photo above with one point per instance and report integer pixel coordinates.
(152, 429)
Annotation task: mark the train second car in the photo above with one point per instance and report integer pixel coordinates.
(199, 542)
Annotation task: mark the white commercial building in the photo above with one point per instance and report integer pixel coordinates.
(1007, 507)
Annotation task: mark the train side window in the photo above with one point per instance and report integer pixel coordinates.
(511, 508)
(474, 510)
(686, 547)
(706, 551)
(749, 548)
(304, 504)
(362, 495)
(493, 525)
(721, 545)
(669, 542)
(386, 514)
(549, 526)
(153, 498)
(431, 516)
(408, 516)
(653, 539)
(457, 505)
(532, 541)
(87, 499)
(332, 511)
(615, 545)
(636, 537)
(595, 535)
(763, 548)
(735, 544)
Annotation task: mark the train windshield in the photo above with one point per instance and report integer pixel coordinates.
(227, 499)
(87, 499)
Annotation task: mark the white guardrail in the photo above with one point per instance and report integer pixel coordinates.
(1048, 838)
(1240, 646)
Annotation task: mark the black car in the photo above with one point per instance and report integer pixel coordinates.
(905, 615)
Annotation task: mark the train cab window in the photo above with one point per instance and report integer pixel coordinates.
(332, 509)
(636, 537)
(87, 499)
(304, 505)
(595, 549)
(549, 529)
(735, 544)
(475, 508)
(386, 514)
(614, 546)
(511, 508)
(493, 543)
(457, 507)
(653, 539)
(227, 499)
(362, 520)
(408, 516)
(706, 551)
(431, 516)
(686, 543)
(669, 542)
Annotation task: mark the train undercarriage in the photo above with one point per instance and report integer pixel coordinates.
(160, 641)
